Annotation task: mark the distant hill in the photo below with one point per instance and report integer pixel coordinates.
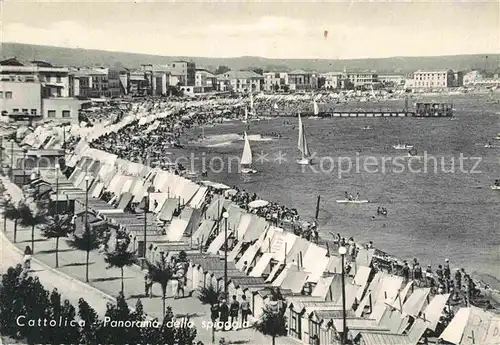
(91, 57)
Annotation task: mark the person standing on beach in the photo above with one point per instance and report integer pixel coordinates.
(234, 309)
(224, 314)
(406, 272)
(245, 310)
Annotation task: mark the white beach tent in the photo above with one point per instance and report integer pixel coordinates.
(158, 198)
(472, 326)
(199, 198)
(248, 257)
(315, 262)
(176, 229)
(434, 310)
(261, 265)
(400, 298)
(293, 280)
(203, 232)
(415, 303)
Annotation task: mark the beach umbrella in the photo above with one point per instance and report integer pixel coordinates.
(231, 192)
(258, 203)
(215, 185)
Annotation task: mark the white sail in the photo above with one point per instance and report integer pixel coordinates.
(305, 147)
(316, 108)
(275, 106)
(302, 142)
(301, 130)
(246, 157)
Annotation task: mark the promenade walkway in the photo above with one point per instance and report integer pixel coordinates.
(72, 264)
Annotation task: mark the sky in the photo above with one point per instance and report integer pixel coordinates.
(283, 29)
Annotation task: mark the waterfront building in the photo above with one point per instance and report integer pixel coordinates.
(362, 79)
(301, 80)
(434, 79)
(205, 81)
(182, 73)
(275, 81)
(392, 80)
(472, 77)
(240, 81)
(54, 80)
(37, 91)
(137, 83)
(332, 80)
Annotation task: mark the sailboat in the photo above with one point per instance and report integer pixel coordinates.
(316, 110)
(246, 158)
(246, 116)
(302, 145)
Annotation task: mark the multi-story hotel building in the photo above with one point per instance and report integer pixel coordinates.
(275, 81)
(433, 79)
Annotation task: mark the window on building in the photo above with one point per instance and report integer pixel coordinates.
(8, 94)
(15, 110)
(1, 94)
(25, 111)
(33, 111)
(51, 113)
(66, 113)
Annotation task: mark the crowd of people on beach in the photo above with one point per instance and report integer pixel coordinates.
(130, 143)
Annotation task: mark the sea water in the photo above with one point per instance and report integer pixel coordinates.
(431, 216)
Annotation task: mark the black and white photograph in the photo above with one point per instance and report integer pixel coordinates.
(250, 172)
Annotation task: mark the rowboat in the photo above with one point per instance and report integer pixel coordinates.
(347, 201)
(402, 147)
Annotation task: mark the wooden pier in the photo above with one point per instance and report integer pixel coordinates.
(363, 114)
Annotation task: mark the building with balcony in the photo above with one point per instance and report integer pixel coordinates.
(205, 81)
(362, 79)
(472, 77)
(36, 91)
(332, 80)
(54, 80)
(24, 102)
(434, 79)
(392, 80)
(300, 80)
(240, 81)
(183, 73)
(275, 81)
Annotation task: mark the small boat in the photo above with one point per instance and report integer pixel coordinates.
(316, 111)
(495, 187)
(245, 120)
(347, 201)
(302, 145)
(367, 128)
(497, 137)
(246, 158)
(402, 146)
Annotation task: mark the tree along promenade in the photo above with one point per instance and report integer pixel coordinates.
(108, 281)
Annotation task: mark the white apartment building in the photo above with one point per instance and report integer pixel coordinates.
(240, 81)
(54, 80)
(275, 81)
(433, 79)
(205, 81)
(333, 80)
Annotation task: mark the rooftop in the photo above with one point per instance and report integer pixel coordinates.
(238, 75)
